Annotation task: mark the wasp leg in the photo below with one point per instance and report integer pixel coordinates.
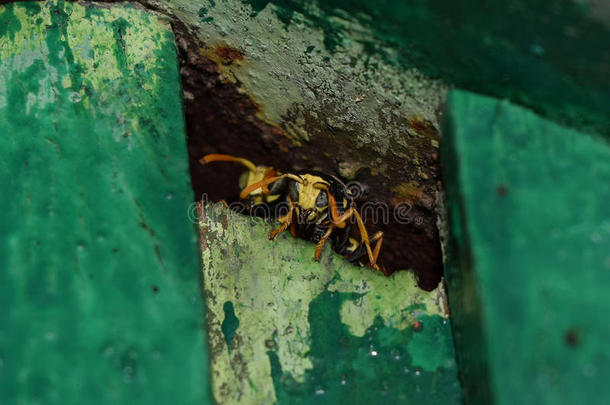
(336, 219)
(279, 230)
(321, 243)
(217, 157)
(286, 220)
(268, 174)
(293, 229)
(339, 221)
(378, 237)
(364, 237)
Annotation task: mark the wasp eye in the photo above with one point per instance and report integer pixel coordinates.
(293, 191)
(277, 186)
(322, 200)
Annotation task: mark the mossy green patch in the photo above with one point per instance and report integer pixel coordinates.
(9, 24)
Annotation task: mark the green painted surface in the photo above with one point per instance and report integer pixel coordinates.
(528, 263)
(99, 282)
(317, 332)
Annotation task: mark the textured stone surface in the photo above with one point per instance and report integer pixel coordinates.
(99, 272)
(528, 264)
(353, 87)
(285, 328)
(260, 87)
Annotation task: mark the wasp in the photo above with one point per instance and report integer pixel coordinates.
(320, 208)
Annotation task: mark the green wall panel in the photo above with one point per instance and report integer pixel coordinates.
(528, 262)
(100, 290)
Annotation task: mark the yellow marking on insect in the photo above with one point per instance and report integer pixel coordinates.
(353, 245)
(309, 190)
(251, 177)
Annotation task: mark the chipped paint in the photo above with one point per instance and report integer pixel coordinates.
(273, 286)
(272, 309)
(88, 41)
(396, 299)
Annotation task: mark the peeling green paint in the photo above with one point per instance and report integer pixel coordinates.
(314, 331)
(95, 61)
(229, 324)
(384, 297)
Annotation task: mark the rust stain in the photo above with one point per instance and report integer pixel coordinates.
(409, 192)
(423, 127)
(224, 57)
(228, 54)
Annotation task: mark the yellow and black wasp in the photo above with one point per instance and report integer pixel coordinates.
(320, 207)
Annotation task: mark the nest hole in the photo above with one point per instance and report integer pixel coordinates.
(221, 119)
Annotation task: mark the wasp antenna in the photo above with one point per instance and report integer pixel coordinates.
(217, 157)
(259, 184)
(294, 177)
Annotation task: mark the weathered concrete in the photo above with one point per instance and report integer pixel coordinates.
(286, 328)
